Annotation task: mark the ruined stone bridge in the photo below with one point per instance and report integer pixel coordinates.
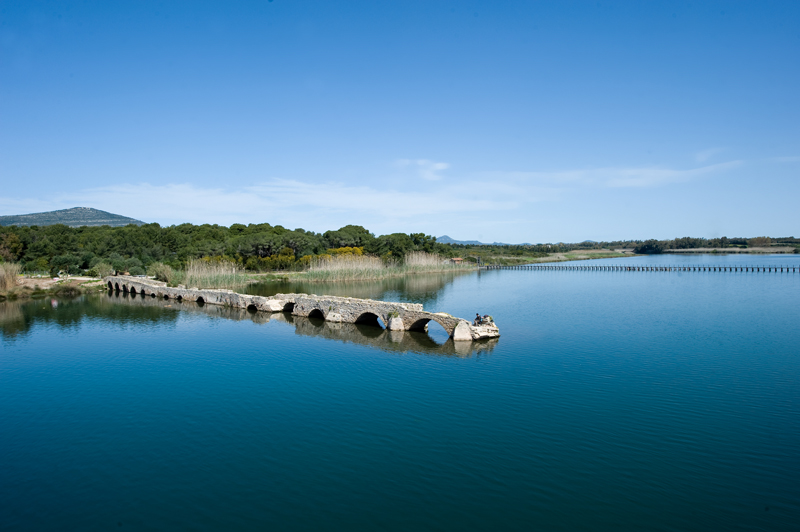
(396, 316)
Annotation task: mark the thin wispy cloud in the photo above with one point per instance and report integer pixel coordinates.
(650, 177)
(622, 177)
(426, 169)
(705, 155)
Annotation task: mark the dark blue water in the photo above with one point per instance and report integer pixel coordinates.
(612, 401)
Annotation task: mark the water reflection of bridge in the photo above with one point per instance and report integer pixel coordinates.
(375, 337)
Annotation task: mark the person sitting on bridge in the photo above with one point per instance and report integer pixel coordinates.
(477, 320)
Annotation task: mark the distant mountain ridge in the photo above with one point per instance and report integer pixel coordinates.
(74, 217)
(444, 239)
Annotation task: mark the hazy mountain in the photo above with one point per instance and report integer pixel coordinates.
(444, 239)
(75, 217)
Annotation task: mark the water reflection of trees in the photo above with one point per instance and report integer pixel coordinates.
(423, 289)
(18, 318)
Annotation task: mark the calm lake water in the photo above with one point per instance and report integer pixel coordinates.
(612, 401)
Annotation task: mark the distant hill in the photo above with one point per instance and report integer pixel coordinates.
(444, 239)
(75, 217)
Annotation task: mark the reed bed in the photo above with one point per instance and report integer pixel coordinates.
(345, 268)
(359, 268)
(9, 272)
(204, 274)
(422, 262)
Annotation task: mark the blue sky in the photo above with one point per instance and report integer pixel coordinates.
(500, 121)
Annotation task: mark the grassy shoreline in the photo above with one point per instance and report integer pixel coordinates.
(66, 288)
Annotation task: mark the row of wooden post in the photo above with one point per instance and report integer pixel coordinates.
(621, 268)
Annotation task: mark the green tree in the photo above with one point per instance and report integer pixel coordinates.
(649, 247)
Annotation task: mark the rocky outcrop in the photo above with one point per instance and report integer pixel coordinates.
(396, 316)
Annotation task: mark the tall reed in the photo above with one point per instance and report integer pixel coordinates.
(428, 262)
(353, 267)
(9, 272)
(204, 274)
(345, 268)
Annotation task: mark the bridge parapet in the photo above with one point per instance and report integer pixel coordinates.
(395, 316)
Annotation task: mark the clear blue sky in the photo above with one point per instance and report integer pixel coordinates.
(506, 121)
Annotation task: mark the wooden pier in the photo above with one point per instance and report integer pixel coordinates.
(640, 268)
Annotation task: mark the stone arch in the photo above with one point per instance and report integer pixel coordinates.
(200, 300)
(420, 325)
(288, 307)
(437, 332)
(316, 314)
(252, 308)
(371, 319)
(166, 296)
(116, 286)
(180, 297)
(133, 290)
(110, 286)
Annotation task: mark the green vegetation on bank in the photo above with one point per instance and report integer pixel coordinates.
(255, 247)
(66, 290)
(10, 287)
(721, 244)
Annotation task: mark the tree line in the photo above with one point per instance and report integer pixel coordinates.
(263, 247)
(660, 246)
(260, 247)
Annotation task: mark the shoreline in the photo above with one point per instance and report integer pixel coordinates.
(37, 288)
(784, 250)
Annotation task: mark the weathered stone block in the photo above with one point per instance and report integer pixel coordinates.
(395, 324)
(462, 332)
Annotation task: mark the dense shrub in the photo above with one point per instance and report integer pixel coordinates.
(649, 247)
(68, 263)
(161, 272)
(100, 269)
(759, 242)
